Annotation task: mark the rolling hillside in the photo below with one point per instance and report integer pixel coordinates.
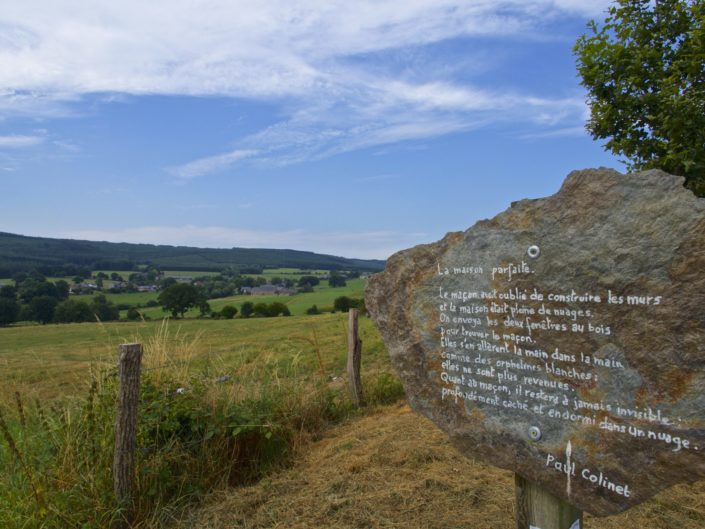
(19, 253)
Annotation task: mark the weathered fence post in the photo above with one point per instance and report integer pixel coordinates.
(538, 509)
(130, 358)
(354, 356)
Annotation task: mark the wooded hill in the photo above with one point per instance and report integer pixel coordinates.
(19, 253)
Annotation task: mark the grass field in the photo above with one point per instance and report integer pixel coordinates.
(388, 470)
(252, 391)
(322, 296)
(290, 273)
(130, 298)
(57, 360)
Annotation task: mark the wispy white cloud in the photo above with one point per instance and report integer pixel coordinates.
(210, 164)
(302, 55)
(18, 141)
(363, 245)
(232, 47)
(389, 113)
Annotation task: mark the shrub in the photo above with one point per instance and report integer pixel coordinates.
(103, 309)
(228, 312)
(313, 310)
(73, 310)
(246, 309)
(277, 308)
(260, 310)
(344, 304)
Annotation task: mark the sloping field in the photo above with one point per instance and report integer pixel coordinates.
(397, 470)
(48, 361)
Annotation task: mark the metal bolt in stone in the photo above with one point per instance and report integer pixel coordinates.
(534, 433)
(533, 251)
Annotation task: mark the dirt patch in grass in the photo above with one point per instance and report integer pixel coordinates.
(397, 470)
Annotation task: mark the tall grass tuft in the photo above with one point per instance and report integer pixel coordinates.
(203, 424)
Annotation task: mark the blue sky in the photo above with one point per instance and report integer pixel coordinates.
(348, 128)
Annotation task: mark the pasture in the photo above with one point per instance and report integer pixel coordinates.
(285, 385)
(57, 360)
(322, 296)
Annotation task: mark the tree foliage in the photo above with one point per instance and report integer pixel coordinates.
(644, 70)
(272, 310)
(72, 310)
(308, 280)
(344, 304)
(103, 309)
(246, 309)
(42, 308)
(179, 298)
(336, 280)
(228, 312)
(68, 258)
(9, 310)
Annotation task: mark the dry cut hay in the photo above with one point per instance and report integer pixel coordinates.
(397, 470)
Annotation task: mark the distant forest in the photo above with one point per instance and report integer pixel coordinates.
(66, 257)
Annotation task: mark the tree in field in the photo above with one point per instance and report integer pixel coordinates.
(179, 298)
(344, 304)
(277, 308)
(274, 309)
(336, 280)
(204, 307)
(33, 287)
(228, 312)
(72, 310)
(62, 289)
(42, 308)
(9, 310)
(308, 280)
(644, 70)
(246, 309)
(103, 309)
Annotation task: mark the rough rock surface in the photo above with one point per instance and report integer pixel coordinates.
(595, 345)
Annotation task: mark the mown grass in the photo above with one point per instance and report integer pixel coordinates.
(252, 391)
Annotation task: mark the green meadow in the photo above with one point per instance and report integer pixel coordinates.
(129, 298)
(250, 391)
(58, 359)
(222, 403)
(323, 297)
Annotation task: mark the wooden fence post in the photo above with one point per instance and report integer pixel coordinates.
(354, 357)
(130, 358)
(539, 509)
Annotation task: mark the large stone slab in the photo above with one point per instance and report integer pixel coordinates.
(565, 338)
